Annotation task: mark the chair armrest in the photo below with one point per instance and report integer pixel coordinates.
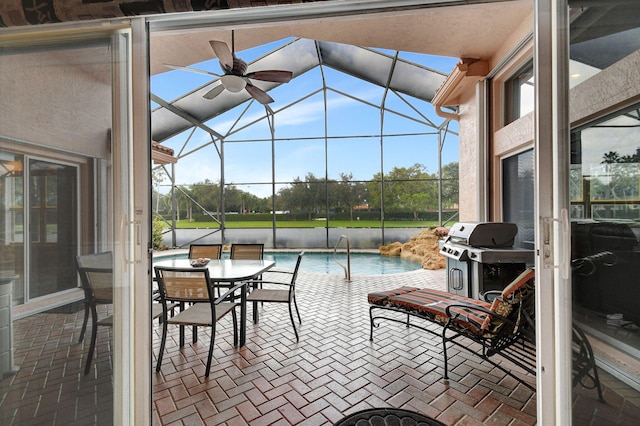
(253, 282)
(454, 315)
(229, 292)
(488, 296)
(278, 271)
(470, 306)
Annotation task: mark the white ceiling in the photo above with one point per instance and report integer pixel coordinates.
(475, 31)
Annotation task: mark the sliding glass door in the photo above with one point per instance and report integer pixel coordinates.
(66, 190)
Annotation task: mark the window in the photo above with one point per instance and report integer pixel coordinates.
(519, 94)
(518, 195)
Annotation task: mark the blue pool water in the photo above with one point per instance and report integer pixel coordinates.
(361, 263)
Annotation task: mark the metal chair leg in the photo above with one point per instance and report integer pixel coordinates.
(84, 323)
(94, 335)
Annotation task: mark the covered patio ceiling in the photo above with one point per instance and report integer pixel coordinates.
(476, 30)
(362, 46)
(298, 56)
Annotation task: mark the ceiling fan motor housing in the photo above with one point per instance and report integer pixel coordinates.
(239, 67)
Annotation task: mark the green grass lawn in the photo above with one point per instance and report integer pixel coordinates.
(184, 224)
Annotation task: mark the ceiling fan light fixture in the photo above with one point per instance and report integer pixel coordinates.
(233, 83)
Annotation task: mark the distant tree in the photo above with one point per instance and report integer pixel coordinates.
(205, 196)
(232, 199)
(184, 202)
(238, 200)
(161, 202)
(621, 181)
(347, 194)
(613, 157)
(450, 184)
(610, 157)
(304, 196)
(408, 188)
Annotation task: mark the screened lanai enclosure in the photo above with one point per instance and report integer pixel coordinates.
(349, 146)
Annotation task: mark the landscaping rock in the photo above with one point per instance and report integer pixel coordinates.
(422, 249)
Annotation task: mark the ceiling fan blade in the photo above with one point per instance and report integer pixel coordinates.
(259, 94)
(223, 53)
(275, 76)
(214, 92)
(181, 68)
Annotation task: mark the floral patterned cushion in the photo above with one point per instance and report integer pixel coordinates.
(520, 289)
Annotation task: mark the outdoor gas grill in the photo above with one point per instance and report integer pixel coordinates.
(481, 257)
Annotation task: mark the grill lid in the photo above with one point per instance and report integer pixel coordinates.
(484, 234)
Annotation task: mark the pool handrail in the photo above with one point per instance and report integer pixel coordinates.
(347, 269)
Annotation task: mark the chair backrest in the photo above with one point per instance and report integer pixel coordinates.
(183, 284)
(247, 251)
(212, 251)
(97, 260)
(295, 270)
(517, 303)
(100, 281)
(96, 276)
(294, 276)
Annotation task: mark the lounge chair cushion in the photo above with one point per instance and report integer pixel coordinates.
(518, 283)
(382, 297)
(433, 304)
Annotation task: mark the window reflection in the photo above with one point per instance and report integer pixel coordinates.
(605, 210)
(605, 169)
(12, 219)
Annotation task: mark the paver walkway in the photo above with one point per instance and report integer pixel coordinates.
(332, 371)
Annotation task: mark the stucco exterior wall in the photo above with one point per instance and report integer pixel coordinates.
(53, 87)
(469, 157)
(510, 138)
(611, 89)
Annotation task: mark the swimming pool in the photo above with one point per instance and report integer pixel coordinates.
(361, 263)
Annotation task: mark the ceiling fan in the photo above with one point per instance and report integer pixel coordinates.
(235, 77)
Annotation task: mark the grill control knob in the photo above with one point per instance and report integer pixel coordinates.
(472, 255)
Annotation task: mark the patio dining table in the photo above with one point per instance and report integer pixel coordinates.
(229, 271)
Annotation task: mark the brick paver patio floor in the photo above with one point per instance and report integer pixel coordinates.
(332, 371)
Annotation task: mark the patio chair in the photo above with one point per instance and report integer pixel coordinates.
(212, 251)
(96, 277)
(268, 292)
(192, 285)
(247, 251)
(97, 260)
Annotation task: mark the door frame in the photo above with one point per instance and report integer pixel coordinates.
(552, 232)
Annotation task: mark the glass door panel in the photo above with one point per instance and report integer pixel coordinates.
(64, 192)
(604, 184)
(52, 227)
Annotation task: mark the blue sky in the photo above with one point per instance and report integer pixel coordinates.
(355, 150)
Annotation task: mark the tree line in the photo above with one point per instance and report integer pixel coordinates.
(410, 189)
